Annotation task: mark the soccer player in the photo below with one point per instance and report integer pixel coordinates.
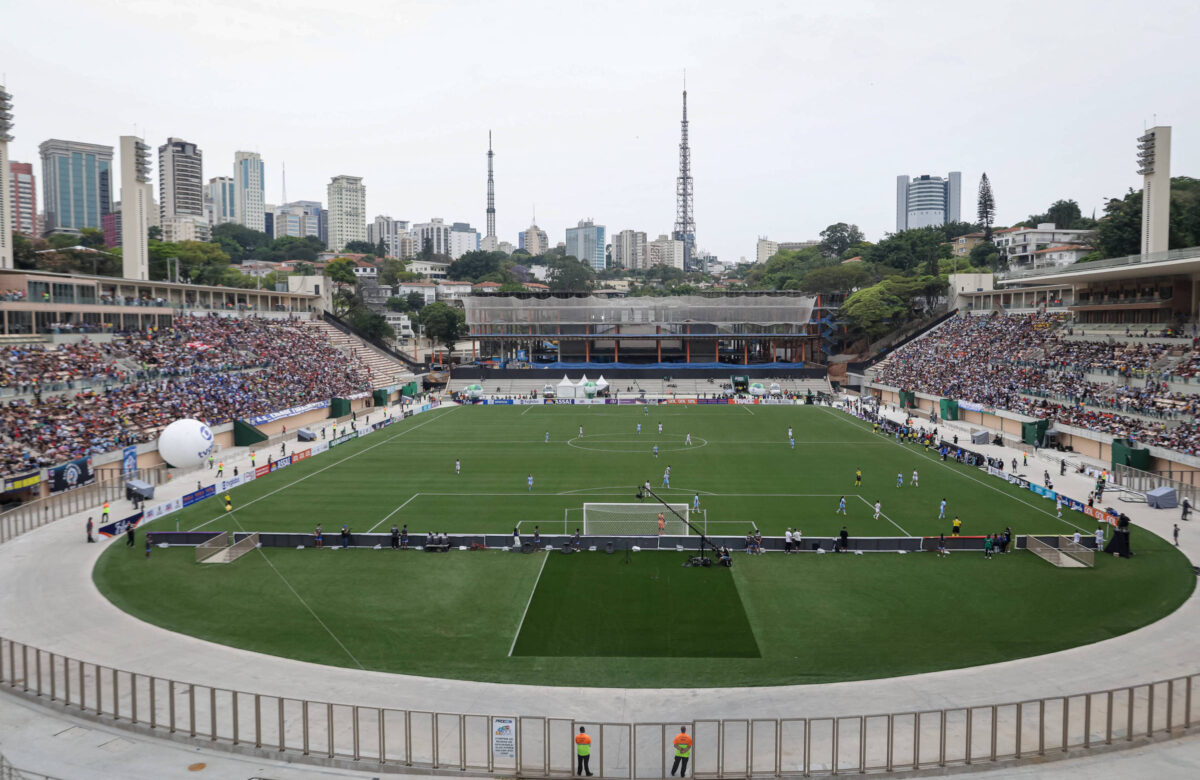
(457, 466)
(646, 488)
(530, 481)
(667, 478)
(858, 477)
(792, 442)
(878, 509)
(1058, 506)
(645, 410)
(639, 429)
(696, 503)
(916, 479)
(547, 437)
(581, 431)
(790, 432)
(1100, 537)
(841, 510)
(660, 427)
(899, 479)
(957, 526)
(655, 449)
(942, 510)
(662, 524)
(689, 440)
(987, 546)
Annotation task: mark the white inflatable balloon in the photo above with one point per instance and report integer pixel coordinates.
(185, 443)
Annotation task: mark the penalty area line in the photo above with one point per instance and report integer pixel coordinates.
(394, 511)
(517, 635)
(881, 514)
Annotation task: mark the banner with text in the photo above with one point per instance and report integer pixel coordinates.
(69, 476)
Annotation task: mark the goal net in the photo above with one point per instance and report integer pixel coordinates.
(634, 519)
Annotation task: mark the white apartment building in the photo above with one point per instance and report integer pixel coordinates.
(463, 239)
(427, 289)
(430, 269)
(1018, 245)
(435, 233)
(453, 291)
(629, 249)
(534, 240)
(186, 228)
(395, 235)
(927, 201)
(299, 218)
(766, 249)
(347, 198)
(220, 204)
(180, 180)
(1058, 256)
(249, 180)
(665, 251)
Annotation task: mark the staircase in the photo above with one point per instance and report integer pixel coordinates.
(385, 370)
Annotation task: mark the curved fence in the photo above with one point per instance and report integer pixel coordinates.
(536, 746)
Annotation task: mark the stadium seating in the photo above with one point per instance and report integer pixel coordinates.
(1031, 364)
(214, 369)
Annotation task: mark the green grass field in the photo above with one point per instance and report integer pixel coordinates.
(593, 619)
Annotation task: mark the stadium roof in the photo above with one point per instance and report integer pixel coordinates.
(1177, 262)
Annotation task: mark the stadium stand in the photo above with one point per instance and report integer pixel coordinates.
(1031, 364)
(211, 368)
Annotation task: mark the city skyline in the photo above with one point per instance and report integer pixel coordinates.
(774, 155)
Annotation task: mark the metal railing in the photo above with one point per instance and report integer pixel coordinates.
(109, 486)
(1186, 486)
(10, 772)
(354, 735)
(1112, 262)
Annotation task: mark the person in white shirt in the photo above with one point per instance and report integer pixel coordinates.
(660, 427)
(581, 431)
(878, 509)
(916, 479)
(1058, 506)
(530, 481)
(1100, 538)
(1076, 537)
(796, 539)
(457, 466)
(942, 510)
(787, 541)
(689, 440)
(789, 432)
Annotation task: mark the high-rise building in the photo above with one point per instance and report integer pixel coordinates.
(112, 226)
(220, 200)
(347, 199)
(585, 242)
(463, 239)
(1154, 164)
(534, 240)
(490, 242)
(137, 204)
(435, 234)
(765, 249)
(299, 218)
(249, 181)
(7, 201)
(180, 179)
(629, 249)
(927, 201)
(395, 235)
(269, 219)
(23, 190)
(666, 251)
(76, 184)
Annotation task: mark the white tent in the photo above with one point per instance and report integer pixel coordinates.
(566, 388)
(600, 383)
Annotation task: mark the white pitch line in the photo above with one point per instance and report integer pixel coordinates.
(885, 517)
(394, 511)
(326, 468)
(527, 408)
(937, 462)
(546, 557)
(746, 407)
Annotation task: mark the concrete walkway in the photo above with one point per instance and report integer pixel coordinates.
(50, 603)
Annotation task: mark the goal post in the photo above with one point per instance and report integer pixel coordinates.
(635, 519)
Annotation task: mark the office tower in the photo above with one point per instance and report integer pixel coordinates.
(299, 218)
(76, 184)
(181, 191)
(435, 234)
(220, 200)
(136, 202)
(23, 191)
(927, 201)
(463, 239)
(347, 198)
(249, 181)
(1154, 164)
(585, 241)
(395, 235)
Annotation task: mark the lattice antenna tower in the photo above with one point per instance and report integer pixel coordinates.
(491, 207)
(685, 221)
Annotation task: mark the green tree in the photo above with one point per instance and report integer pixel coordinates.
(370, 324)
(304, 269)
(986, 212)
(443, 323)
(92, 238)
(416, 301)
(397, 304)
(359, 248)
(381, 249)
(202, 262)
(568, 274)
(872, 310)
(908, 249)
(839, 237)
(1120, 232)
(985, 255)
(389, 271)
(154, 233)
(837, 278)
(240, 242)
(341, 271)
(474, 265)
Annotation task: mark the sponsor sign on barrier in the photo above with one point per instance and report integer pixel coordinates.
(343, 439)
(199, 495)
(119, 527)
(273, 416)
(688, 401)
(317, 449)
(22, 481)
(165, 508)
(262, 471)
(301, 455)
(1070, 503)
(504, 738)
(282, 463)
(561, 401)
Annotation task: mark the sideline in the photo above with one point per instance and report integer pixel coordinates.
(533, 590)
(881, 514)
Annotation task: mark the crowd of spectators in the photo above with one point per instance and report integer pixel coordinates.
(1023, 364)
(212, 369)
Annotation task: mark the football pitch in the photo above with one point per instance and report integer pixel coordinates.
(639, 619)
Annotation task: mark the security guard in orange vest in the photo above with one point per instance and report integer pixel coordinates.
(104, 513)
(683, 750)
(583, 753)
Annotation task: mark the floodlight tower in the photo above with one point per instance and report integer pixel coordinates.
(6, 208)
(1154, 164)
(685, 221)
(136, 197)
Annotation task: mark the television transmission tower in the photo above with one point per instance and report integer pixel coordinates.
(685, 220)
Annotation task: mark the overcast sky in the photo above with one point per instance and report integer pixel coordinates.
(802, 113)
